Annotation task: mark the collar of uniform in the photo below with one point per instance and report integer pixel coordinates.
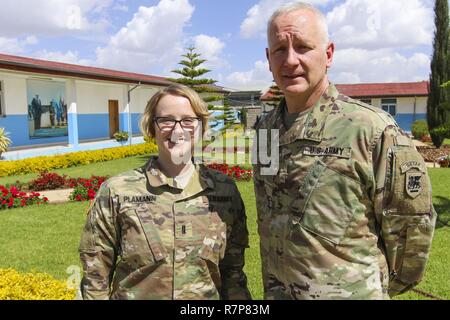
(154, 175)
(312, 128)
(315, 124)
(199, 181)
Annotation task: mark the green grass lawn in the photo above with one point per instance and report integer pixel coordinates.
(46, 238)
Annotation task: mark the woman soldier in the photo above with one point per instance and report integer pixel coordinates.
(172, 229)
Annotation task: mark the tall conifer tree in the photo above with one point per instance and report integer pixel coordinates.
(437, 115)
(192, 76)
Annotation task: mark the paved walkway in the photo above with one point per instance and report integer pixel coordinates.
(57, 196)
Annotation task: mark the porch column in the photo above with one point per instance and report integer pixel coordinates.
(71, 93)
(125, 123)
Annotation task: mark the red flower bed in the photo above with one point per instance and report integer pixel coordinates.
(14, 198)
(85, 189)
(226, 149)
(48, 181)
(234, 172)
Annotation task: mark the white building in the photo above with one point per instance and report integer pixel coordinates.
(406, 102)
(45, 103)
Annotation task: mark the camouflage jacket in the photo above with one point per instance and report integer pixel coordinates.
(348, 214)
(145, 239)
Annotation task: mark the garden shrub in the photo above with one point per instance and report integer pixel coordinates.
(48, 181)
(419, 129)
(32, 286)
(12, 197)
(67, 160)
(121, 136)
(85, 189)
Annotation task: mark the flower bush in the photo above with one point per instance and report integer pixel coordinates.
(5, 141)
(85, 189)
(67, 160)
(32, 286)
(12, 197)
(121, 136)
(234, 172)
(48, 181)
(444, 161)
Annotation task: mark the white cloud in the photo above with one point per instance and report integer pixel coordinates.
(384, 65)
(152, 39)
(210, 49)
(67, 57)
(255, 24)
(16, 45)
(381, 24)
(258, 78)
(51, 17)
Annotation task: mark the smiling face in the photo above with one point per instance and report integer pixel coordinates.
(298, 56)
(175, 145)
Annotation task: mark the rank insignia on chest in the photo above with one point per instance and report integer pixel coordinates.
(414, 184)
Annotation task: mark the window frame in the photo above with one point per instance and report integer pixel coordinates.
(390, 106)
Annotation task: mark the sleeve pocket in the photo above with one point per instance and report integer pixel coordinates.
(417, 247)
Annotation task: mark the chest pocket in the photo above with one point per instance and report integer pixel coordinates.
(214, 241)
(327, 201)
(141, 243)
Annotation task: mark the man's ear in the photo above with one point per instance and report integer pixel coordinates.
(330, 54)
(267, 56)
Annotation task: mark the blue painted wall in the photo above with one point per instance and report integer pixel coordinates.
(405, 121)
(93, 126)
(135, 122)
(17, 127)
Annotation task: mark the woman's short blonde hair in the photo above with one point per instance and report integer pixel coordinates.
(197, 104)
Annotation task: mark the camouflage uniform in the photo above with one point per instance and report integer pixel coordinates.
(145, 239)
(349, 214)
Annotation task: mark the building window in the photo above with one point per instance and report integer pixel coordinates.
(368, 101)
(389, 105)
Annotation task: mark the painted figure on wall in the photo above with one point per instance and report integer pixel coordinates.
(46, 109)
(36, 111)
(58, 111)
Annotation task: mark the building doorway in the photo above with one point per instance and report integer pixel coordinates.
(113, 117)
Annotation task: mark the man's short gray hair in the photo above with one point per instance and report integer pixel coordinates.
(298, 5)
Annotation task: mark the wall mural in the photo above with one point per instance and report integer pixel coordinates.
(47, 109)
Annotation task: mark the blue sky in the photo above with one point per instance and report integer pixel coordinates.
(376, 40)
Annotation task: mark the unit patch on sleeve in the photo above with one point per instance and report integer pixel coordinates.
(414, 184)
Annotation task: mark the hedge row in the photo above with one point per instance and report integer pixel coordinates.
(47, 163)
(32, 286)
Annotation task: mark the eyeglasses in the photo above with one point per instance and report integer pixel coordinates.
(166, 124)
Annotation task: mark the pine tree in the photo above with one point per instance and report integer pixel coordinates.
(191, 76)
(276, 95)
(437, 115)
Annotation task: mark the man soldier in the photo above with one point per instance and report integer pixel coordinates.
(348, 213)
(36, 110)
